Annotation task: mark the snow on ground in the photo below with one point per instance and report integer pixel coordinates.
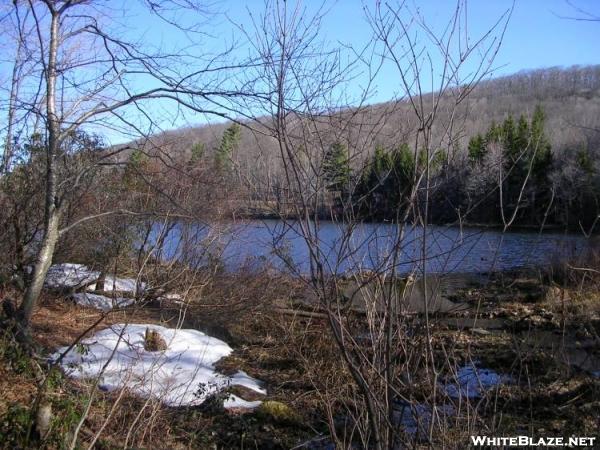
(67, 275)
(235, 402)
(73, 276)
(183, 374)
(100, 301)
(173, 298)
(112, 283)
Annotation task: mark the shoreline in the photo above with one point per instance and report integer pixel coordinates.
(517, 228)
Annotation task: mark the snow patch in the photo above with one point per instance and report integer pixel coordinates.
(112, 283)
(67, 275)
(100, 301)
(241, 378)
(73, 276)
(235, 402)
(182, 375)
(172, 298)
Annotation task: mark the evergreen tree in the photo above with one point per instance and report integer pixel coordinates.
(522, 136)
(135, 165)
(386, 181)
(493, 134)
(371, 181)
(382, 163)
(336, 167)
(229, 143)
(198, 150)
(541, 145)
(477, 147)
(136, 159)
(404, 164)
(508, 140)
(525, 148)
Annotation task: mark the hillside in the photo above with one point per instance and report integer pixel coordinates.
(570, 98)
(564, 191)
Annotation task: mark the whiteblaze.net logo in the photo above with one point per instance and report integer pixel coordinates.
(528, 441)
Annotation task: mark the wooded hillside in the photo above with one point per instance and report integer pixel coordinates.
(568, 98)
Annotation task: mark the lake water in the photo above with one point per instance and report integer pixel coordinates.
(254, 244)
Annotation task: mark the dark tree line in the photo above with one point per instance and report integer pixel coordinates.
(509, 176)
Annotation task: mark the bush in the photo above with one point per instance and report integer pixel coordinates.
(15, 426)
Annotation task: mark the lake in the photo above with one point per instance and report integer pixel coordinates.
(254, 244)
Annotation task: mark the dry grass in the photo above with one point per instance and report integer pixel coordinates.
(153, 341)
(58, 322)
(16, 388)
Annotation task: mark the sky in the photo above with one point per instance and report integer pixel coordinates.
(539, 34)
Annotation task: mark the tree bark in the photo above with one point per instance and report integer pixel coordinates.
(42, 264)
(51, 206)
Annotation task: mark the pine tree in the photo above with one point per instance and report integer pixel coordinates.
(403, 174)
(336, 167)
(476, 148)
(522, 137)
(229, 143)
(508, 140)
(541, 145)
(198, 150)
(404, 164)
(493, 134)
(135, 166)
(382, 162)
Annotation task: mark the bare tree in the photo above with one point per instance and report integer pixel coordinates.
(17, 25)
(89, 75)
(311, 110)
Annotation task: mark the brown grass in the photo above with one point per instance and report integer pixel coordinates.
(58, 322)
(153, 341)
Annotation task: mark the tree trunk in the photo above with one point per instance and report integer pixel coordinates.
(101, 280)
(43, 262)
(51, 201)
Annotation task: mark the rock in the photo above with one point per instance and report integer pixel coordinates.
(43, 419)
(278, 412)
(480, 331)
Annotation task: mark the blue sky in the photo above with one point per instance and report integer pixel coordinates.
(538, 35)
